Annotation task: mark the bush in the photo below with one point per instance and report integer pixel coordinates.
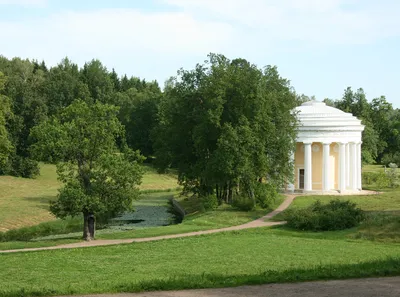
(265, 194)
(23, 167)
(243, 203)
(391, 158)
(392, 175)
(369, 178)
(336, 215)
(209, 202)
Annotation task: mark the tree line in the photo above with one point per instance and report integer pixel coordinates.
(31, 93)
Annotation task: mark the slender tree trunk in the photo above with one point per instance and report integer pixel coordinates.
(230, 193)
(88, 226)
(252, 196)
(227, 193)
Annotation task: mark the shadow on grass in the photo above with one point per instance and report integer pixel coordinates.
(42, 202)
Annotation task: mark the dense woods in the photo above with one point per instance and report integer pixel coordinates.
(31, 93)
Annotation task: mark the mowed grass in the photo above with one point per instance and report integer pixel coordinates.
(376, 168)
(227, 259)
(25, 202)
(155, 181)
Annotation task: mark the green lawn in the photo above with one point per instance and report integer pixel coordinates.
(242, 257)
(25, 202)
(375, 168)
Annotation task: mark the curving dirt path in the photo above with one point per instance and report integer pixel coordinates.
(102, 242)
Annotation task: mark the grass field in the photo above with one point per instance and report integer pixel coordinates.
(227, 259)
(25, 202)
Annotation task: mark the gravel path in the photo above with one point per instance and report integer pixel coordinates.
(366, 287)
(102, 242)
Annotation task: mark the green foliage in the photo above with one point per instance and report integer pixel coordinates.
(98, 180)
(243, 203)
(22, 167)
(370, 178)
(224, 125)
(210, 202)
(265, 194)
(138, 114)
(381, 137)
(391, 158)
(384, 180)
(33, 92)
(393, 175)
(336, 215)
(5, 111)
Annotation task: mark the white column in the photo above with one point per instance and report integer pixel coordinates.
(359, 166)
(307, 167)
(347, 165)
(291, 160)
(353, 167)
(342, 167)
(325, 169)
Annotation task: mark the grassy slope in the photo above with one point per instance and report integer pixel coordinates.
(226, 259)
(25, 202)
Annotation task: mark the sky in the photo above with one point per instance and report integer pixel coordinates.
(321, 46)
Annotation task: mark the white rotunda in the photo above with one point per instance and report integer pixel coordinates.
(328, 149)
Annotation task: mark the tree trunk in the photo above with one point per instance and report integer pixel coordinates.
(227, 193)
(88, 226)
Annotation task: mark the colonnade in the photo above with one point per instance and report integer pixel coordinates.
(349, 177)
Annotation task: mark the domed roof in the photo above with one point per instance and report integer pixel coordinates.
(317, 119)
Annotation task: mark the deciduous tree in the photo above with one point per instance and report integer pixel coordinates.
(98, 179)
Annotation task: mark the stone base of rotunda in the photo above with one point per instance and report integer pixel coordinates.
(320, 192)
